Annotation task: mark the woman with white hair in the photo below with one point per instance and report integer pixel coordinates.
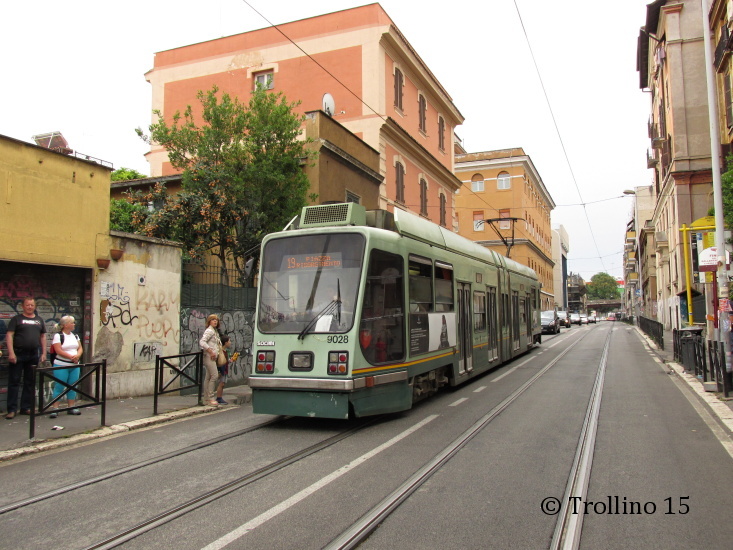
(67, 347)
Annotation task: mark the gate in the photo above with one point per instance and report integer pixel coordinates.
(203, 293)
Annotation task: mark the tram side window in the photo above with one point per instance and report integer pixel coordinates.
(421, 285)
(381, 332)
(443, 287)
(479, 311)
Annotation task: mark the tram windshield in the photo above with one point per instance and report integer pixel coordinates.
(309, 283)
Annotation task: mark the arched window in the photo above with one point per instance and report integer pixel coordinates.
(441, 133)
(422, 105)
(504, 181)
(423, 197)
(400, 182)
(398, 84)
(477, 183)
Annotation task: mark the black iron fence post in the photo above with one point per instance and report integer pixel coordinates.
(179, 374)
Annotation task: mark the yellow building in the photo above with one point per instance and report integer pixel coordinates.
(503, 205)
(56, 246)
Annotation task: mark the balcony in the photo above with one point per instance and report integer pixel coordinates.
(651, 158)
(630, 236)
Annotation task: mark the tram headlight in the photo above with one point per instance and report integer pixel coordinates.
(301, 361)
(265, 362)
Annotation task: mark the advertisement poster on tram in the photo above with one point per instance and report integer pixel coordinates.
(432, 331)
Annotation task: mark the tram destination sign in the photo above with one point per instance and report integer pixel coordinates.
(310, 262)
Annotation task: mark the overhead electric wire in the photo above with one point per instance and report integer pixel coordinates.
(383, 117)
(329, 73)
(557, 129)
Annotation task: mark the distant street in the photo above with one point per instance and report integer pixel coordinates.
(586, 440)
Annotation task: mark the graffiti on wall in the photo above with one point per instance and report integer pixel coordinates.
(145, 352)
(237, 325)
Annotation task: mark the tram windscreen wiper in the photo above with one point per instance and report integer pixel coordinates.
(333, 307)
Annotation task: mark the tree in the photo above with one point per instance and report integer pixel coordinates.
(122, 214)
(241, 176)
(602, 287)
(124, 174)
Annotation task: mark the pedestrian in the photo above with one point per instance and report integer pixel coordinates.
(211, 345)
(68, 350)
(226, 343)
(25, 337)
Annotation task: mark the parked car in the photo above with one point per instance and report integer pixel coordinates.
(592, 318)
(550, 322)
(564, 319)
(583, 318)
(575, 318)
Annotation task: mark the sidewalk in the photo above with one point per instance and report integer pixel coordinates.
(721, 407)
(122, 415)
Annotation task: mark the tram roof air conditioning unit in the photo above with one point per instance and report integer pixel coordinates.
(339, 214)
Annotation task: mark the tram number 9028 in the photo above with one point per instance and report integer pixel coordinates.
(338, 339)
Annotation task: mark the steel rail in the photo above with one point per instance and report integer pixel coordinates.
(570, 523)
(223, 490)
(136, 466)
(363, 527)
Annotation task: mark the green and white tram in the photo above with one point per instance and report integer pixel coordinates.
(362, 313)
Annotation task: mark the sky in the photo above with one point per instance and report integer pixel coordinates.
(574, 106)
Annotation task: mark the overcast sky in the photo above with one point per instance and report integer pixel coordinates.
(78, 67)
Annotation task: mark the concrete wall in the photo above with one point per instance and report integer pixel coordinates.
(136, 312)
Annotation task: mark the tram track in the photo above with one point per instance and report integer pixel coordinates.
(137, 466)
(225, 489)
(360, 530)
(569, 525)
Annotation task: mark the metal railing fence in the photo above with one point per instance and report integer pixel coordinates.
(705, 358)
(653, 329)
(181, 371)
(95, 373)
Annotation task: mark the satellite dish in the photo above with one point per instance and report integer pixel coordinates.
(329, 105)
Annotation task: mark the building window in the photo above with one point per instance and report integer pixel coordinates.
(441, 133)
(442, 210)
(353, 197)
(477, 183)
(505, 224)
(503, 181)
(423, 197)
(399, 82)
(422, 106)
(478, 221)
(728, 101)
(400, 182)
(264, 80)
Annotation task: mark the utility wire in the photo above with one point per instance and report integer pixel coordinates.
(557, 129)
(329, 73)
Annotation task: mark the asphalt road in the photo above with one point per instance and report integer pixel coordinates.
(652, 450)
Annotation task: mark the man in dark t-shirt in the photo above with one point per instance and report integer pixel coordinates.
(26, 335)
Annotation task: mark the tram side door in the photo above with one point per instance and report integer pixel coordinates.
(465, 340)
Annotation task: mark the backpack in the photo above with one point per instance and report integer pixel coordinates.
(52, 355)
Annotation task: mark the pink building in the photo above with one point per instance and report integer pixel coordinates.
(358, 65)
